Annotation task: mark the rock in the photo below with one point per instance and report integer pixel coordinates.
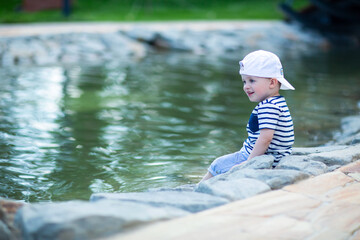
(40, 56)
(120, 45)
(19, 47)
(275, 178)
(168, 41)
(310, 150)
(350, 131)
(84, 220)
(301, 163)
(182, 188)
(355, 139)
(5, 233)
(220, 43)
(260, 162)
(7, 60)
(333, 168)
(350, 126)
(8, 209)
(338, 157)
(188, 201)
(91, 44)
(141, 34)
(137, 50)
(233, 189)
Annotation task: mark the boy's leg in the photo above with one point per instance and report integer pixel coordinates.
(207, 176)
(224, 163)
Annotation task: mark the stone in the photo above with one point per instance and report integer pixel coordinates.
(233, 189)
(271, 215)
(8, 209)
(338, 157)
(259, 162)
(328, 233)
(92, 44)
(350, 125)
(303, 164)
(275, 178)
(355, 176)
(5, 233)
(278, 202)
(351, 168)
(137, 50)
(310, 150)
(349, 195)
(333, 168)
(141, 34)
(182, 188)
(319, 186)
(219, 43)
(355, 139)
(20, 47)
(120, 45)
(356, 235)
(167, 41)
(7, 59)
(330, 216)
(188, 201)
(85, 220)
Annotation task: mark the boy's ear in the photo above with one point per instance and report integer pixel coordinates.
(274, 82)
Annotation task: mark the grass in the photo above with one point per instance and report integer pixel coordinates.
(148, 10)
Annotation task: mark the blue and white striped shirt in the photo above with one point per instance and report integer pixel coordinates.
(272, 113)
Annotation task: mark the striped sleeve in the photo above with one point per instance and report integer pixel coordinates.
(268, 116)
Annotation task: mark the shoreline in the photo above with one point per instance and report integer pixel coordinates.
(30, 29)
(58, 43)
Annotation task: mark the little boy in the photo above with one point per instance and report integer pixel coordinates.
(270, 127)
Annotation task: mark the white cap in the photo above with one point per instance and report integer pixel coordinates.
(264, 64)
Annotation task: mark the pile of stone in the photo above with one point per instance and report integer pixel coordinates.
(135, 43)
(68, 48)
(110, 213)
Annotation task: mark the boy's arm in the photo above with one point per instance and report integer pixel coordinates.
(262, 143)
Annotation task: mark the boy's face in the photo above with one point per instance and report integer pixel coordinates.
(259, 88)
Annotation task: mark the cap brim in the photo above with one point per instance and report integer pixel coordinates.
(285, 85)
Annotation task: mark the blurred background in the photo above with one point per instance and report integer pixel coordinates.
(12, 11)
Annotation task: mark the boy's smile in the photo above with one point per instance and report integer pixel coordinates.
(258, 88)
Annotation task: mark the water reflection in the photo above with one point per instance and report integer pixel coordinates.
(68, 131)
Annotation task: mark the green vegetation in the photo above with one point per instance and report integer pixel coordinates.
(148, 10)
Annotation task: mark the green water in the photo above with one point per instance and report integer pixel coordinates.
(69, 131)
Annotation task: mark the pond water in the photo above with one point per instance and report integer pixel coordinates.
(70, 131)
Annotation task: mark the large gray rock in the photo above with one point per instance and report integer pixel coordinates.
(350, 125)
(182, 188)
(301, 163)
(141, 34)
(188, 201)
(259, 162)
(275, 178)
(233, 189)
(8, 209)
(83, 220)
(338, 157)
(5, 233)
(311, 150)
(350, 131)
